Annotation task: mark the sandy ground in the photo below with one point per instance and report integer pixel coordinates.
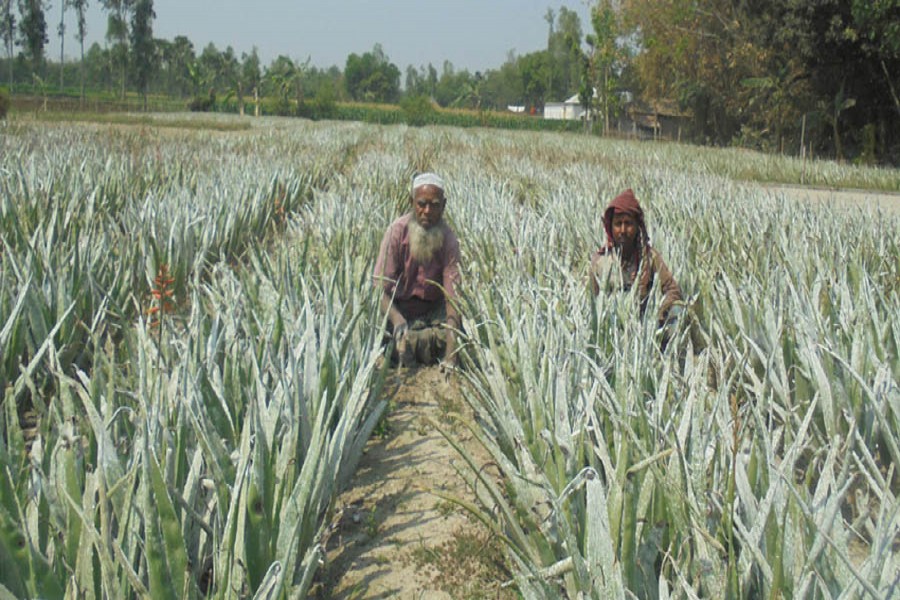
(392, 536)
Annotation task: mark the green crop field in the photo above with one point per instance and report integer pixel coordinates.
(190, 345)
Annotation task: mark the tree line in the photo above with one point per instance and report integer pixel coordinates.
(776, 73)
(779, 75)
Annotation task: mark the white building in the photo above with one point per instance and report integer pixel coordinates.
(570, 110)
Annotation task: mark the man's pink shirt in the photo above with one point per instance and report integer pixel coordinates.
(405, 278)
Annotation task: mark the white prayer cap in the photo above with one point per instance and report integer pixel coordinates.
(427, 179)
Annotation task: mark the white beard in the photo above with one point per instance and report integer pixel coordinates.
(424, 243)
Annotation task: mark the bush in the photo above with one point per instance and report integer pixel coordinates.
(868, 152)
(4, 104)
(382, 114)
(283, 107)
(324, 104)
(203, 103)
(418, 110)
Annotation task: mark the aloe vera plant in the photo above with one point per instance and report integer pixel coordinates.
(198, 457)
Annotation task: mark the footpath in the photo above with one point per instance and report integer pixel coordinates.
(393, 535)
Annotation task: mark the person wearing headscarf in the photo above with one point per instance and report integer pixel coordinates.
(418, 271)
(628, 259)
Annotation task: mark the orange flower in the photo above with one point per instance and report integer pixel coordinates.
(161, 293)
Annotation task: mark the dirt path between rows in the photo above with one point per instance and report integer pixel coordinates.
(392, 535)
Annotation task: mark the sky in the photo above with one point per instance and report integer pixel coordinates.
(472, 34)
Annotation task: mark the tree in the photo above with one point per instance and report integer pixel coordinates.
(879, 24)
(879, 27)
(143, 49)
(415, 82)
(61, 32)
(770, 71)
(117, 31)
(280, 77)
(565, 50)
(775, 101)
(503, 87)
(180, 61)
(848, 53)
(696, 54)
(98, 66)
(230, 74)
(8, 34)
(458, 89)
(550, 17)
(209, 67)
(33, 32)
(447, 89)
(176, 62)
(534, 68)
(80, 7)
(250, 77)
(432, 80)
(602, 66)
(372, 77)
(470, 92)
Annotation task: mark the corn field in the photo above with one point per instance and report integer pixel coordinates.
(190, 359)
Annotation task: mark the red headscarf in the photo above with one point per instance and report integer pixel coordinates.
(625, 203)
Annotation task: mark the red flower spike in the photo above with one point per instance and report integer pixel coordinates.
(161, 294)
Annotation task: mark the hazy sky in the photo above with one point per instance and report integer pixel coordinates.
(472, 34)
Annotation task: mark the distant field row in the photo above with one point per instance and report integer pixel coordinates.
(732, 163)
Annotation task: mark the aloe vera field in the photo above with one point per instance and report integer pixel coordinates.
(191, 361)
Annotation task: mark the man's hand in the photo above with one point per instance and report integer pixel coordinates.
(400, 332)
(405, 353)
(447, 368)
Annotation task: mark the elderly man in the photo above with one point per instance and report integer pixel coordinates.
(628, 259)
(418, 270)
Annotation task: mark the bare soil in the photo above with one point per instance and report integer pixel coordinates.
(393, 535)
